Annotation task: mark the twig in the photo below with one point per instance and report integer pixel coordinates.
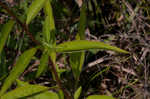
(58, 80)
(94, 63)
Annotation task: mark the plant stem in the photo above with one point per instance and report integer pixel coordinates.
(66, 93)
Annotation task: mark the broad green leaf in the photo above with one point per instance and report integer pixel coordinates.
(30, 91)
(77, 93)
(99, 97)
(4, 33)
(20, 66)
(46, 29)
(43, 63)
(33, 10)
(76, 61)
(49, 24)
(79, 45)
(49, 13)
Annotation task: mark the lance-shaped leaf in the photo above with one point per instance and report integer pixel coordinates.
(21, 83)
(46, 29)
(49, 28)
(46, 95)
(49, 13)
(33, 10)
(77, 93)
(20, 66)
(30, 92)
(99, 97)
(82, 22)
(4, 33)
(50, 31)
(43, 63)
(79, 45)
(76, 61)
(49, 24)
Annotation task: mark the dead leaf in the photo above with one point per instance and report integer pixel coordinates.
(79, 2)
(10, 1)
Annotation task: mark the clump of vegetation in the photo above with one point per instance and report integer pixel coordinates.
(82, 49)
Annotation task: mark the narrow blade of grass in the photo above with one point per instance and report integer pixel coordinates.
(80, 45)
(4, 33)
(20, 66)
(33, 10)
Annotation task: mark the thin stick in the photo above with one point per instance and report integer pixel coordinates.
(58, 80)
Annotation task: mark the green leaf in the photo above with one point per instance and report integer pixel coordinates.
(30, 91)
(82, 22)
(61, 94)
(43, 63)
(3, 65)
(49, 24)
(21, 83)
(77, 93)
(80, 45)
(49, 13)
(33, 10)
(46, 95)
(53, 56)
(99, 73)
(20, 66)
(46, 29)
(76, 61)
(4, 33)
(99, 97)
(49, 29)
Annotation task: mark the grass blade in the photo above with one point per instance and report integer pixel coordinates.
(33, 10)
(4, 33)
(46, 29)
(99, 97)
(79, 45)
(43, 63)
(77, 93)
(49, 13)
(49, 25)
(30, 91)
(82, 22)
(20, 66)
